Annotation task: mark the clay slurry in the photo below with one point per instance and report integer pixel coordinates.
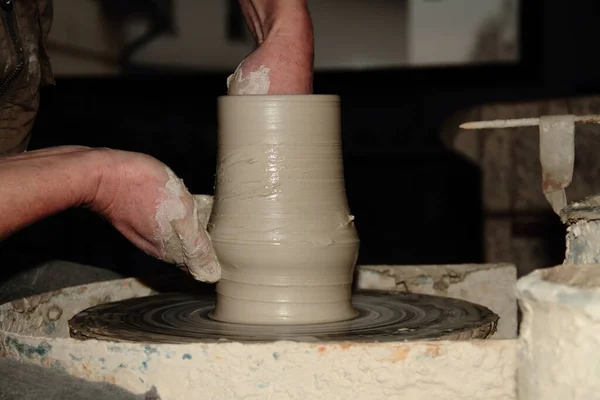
(280, 224)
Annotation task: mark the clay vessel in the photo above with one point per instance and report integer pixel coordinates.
(280, 222)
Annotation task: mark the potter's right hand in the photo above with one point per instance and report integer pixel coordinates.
(282, 62)
(138, 194)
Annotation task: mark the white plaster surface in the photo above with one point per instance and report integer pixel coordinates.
(582, 243)
(491, 285)
(35, 330)
(558, 355)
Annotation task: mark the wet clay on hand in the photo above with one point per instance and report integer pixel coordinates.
(280, 224)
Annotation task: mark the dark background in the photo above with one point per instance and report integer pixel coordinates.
(431, 213)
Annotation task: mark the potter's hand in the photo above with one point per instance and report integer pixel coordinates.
(151, 206)
(138, 194)
(283, 60)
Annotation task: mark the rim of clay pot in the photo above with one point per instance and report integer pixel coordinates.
(568, 284)
(281, 97)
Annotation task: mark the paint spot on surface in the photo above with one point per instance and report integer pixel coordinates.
(276, 356)
(115, 349)
(49, 328)
(144, 365)
(400, 354)
(121, 365)
(218, 358)
(186, 356)
(433, 350)
(345, 346)
(262, 385)
(321, 349)
(75, 358)
(27, 350)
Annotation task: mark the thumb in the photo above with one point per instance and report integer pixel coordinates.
(200, 258)
(183, 237)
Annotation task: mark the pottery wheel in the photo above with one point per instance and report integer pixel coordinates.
(185, 318)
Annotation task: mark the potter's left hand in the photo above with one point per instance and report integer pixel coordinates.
(151, 206)
(137, 194)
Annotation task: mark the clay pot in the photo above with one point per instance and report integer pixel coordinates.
(280, 223)
(558, 347)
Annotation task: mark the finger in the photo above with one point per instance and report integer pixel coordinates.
(47, 152)
(189, 246)
(201, 259)
(184, 241)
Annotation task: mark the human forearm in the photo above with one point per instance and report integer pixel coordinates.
(140, 196)
(41, 183)
(283, 60)
(270, 18)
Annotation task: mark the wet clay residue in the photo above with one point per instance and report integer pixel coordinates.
(255, 82)
(183, 239)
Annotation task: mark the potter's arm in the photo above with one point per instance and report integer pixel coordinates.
(38, 184)
(283, 60)
(137, 194)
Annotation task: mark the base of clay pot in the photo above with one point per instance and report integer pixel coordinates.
(238, 311)
(381, 317)
(282, 304)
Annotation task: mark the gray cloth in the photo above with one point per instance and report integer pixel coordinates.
(49, 276)
(23, 381)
